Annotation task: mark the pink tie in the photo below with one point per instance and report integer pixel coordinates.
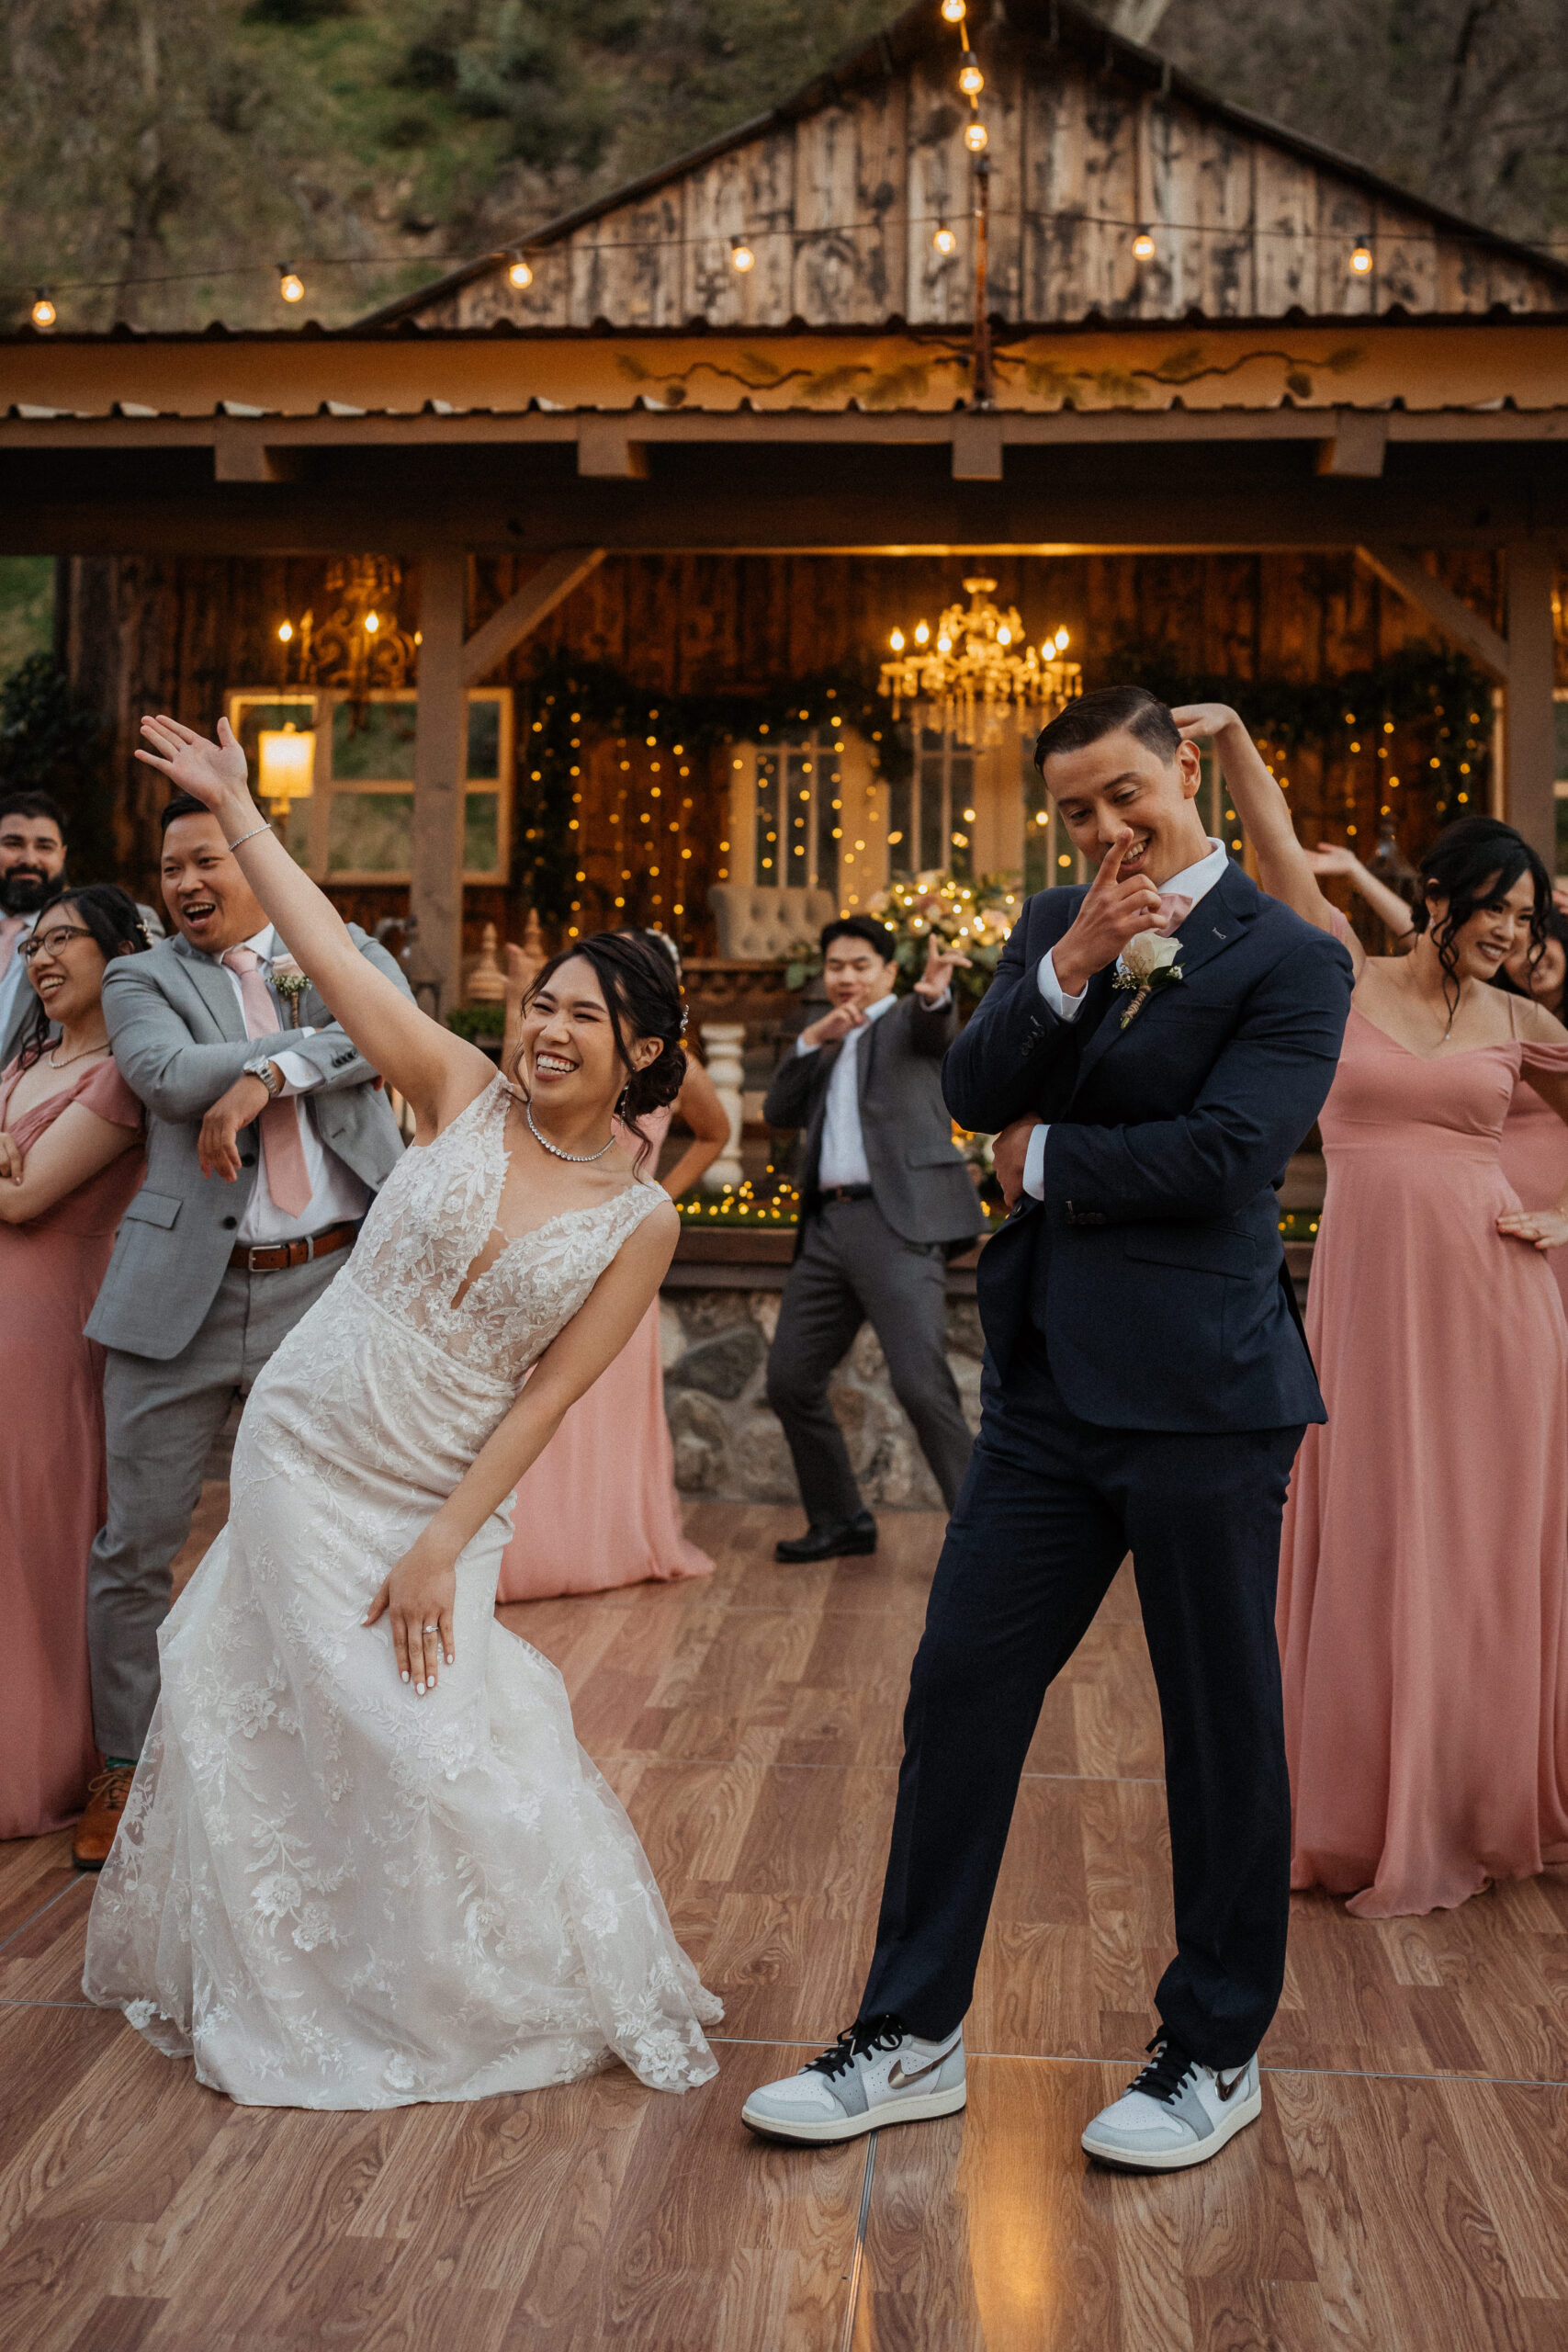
(11, 929)
(283, 1154)
(1174, 909)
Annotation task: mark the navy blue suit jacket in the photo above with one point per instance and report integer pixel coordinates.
(1154, 1266)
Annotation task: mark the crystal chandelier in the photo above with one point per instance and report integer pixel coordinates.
(978, 674)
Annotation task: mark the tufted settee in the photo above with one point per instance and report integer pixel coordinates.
(759, 926)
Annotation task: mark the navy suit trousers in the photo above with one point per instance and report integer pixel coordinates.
(1049, 1509)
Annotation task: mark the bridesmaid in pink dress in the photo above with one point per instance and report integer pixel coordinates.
(69, 1160)
(1535, 1144)
(1535, 1141)
(1423, 1558)
(599, 1506)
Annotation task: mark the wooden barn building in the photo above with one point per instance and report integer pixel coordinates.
(578, 566)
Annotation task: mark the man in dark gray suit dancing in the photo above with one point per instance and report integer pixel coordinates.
(884, 1199)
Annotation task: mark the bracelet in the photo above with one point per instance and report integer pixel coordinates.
(249, 836)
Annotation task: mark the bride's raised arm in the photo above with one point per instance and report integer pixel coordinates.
(1284, 867)
(439, 1073)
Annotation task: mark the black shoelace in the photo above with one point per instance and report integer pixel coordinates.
(866, 2033)
(1164, 2075)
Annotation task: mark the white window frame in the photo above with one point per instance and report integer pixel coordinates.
(309, 831)
(841, 759)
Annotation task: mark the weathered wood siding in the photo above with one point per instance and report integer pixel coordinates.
(840, 206)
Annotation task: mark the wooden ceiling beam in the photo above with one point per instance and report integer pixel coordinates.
(522, 614)
(1401, 569)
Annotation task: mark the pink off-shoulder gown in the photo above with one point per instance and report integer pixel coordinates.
(599, 1506)
(51, 1463)
(1423, 1558)
(1535, 1161)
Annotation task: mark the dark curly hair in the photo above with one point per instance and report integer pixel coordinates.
(105, 909)
(1473, 865)
(642, 995)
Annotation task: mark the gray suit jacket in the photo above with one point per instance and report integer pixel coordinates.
(179, 1041)
(920, 1181)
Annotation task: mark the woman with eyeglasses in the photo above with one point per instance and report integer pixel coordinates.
(69, 1160)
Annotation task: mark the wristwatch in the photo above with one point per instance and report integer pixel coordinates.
(264, 1067)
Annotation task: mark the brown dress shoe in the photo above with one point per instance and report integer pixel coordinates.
(106, 1802)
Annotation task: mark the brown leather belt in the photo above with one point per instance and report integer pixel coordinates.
(837, 1192)
(271, 1256)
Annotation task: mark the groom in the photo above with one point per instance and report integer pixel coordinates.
(1147, 1386)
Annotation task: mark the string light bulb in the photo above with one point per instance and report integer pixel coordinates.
(741, 256)
(520, 274)
(1142, 246)
(971, 81)
(954, 11)
(976, 139)
(285, 632)
(44, 313)
(1362, 260)
(291, 285)
(372, 623)
(944, 241)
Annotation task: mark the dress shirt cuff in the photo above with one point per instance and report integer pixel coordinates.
(1035, 1158)
(1066, 1008)
(942, 1003)
(802, 1048)
(299, 1076)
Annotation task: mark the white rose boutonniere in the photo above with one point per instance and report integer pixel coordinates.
(291, 984)
(1147, 962)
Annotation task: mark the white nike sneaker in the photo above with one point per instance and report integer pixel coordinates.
(1176, 2113)
(875, 2074)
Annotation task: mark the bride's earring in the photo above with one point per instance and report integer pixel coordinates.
(621, 1106)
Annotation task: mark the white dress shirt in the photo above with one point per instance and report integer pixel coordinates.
(842, 1159)
(1194, 882)
(338, 1195)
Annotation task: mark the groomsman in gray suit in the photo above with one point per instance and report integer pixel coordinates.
(266, 1143)
(884, 1201)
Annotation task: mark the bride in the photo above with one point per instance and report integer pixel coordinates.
(364, 1861)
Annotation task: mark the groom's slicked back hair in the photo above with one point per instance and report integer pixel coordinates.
(1105, 710)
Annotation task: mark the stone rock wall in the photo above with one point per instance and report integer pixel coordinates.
(728, 1445)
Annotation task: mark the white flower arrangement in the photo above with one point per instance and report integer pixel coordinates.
(1147, 962)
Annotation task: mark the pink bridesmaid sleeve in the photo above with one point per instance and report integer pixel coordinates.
(107, 1093)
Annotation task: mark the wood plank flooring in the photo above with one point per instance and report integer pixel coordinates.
(1407, 2187)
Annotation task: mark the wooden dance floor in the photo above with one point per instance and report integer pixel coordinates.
(1406, 2189)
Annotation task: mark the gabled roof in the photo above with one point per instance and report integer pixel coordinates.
(838, 192)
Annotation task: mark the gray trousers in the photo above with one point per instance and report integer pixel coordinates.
(852, 1268)
(160, 1420)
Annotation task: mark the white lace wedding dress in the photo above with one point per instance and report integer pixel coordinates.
(330, 1892)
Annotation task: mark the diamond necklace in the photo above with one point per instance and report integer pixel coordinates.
(578, 1158)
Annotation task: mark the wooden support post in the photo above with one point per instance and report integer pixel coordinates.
(1529, 717)
(982, 387)
(435, 890)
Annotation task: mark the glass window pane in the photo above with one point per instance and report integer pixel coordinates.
(370, 832)
(484, 742)
(1039, 854)
(374, 742)
(929, 766)
(768, 859)
(829, 818)
(900, 824)
(800, 773)
(481, 832)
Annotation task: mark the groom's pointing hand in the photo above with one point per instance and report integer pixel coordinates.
(1114, 911)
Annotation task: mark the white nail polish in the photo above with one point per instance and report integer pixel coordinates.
(405, 1678)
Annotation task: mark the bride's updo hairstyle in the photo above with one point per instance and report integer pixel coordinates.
(642, 994)
(1470, 864)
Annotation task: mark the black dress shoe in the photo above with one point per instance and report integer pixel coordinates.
(857, 1534)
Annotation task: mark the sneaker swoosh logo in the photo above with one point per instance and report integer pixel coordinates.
(897, 2079)
(1227, 2090)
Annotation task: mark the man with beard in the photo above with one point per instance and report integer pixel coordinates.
(32, 868)
(32, 874)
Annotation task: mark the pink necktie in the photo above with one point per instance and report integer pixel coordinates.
(11, 929)
(283, 1154)
(1174, 909)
